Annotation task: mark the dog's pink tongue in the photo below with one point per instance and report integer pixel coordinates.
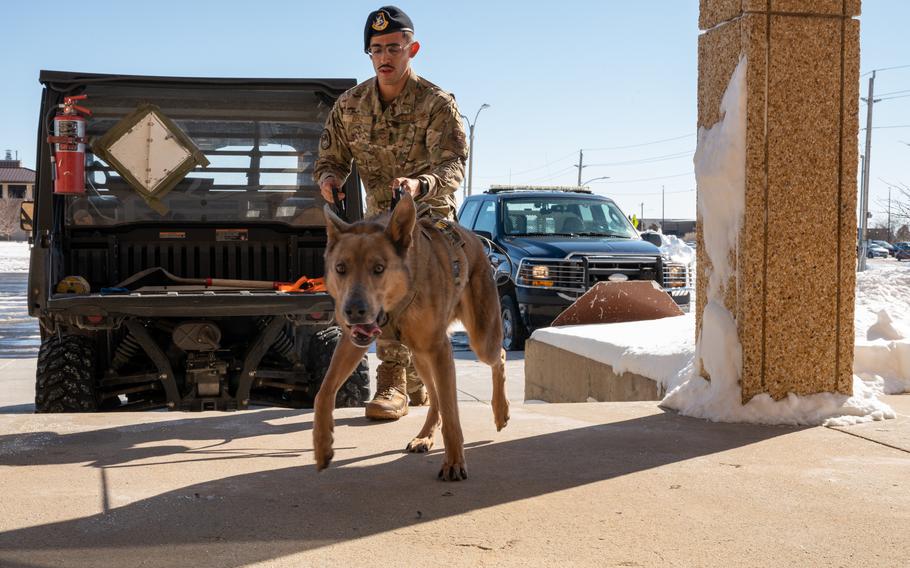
(368, 330)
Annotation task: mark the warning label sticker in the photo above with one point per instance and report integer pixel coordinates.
(232, 234)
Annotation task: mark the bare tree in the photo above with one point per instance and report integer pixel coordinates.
(9, 217)
(900, 203)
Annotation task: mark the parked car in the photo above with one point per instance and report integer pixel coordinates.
(885, 245)
(902, 251)
(876, 251)
(551, 244)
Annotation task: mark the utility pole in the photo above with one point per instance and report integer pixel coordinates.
(864, 221)
(471, 146)
(580, 164)
(641, 220)
(663, 211)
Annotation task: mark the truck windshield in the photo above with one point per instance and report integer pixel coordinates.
(565, 216)
(261, 144)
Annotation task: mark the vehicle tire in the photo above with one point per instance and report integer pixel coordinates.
(356, 390)
(513, 331)
(65, 380)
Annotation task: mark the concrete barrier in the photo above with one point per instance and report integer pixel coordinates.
(553, 374)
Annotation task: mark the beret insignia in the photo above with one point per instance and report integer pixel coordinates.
(381, 21)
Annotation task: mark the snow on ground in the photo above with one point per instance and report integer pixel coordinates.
(882, 333)
(13, 256)
(664, 350)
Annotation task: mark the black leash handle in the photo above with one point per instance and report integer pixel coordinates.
(396, 197)
(338, 205)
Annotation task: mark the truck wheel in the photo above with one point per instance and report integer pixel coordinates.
(65, 381)
(513, 332)
(356, 390)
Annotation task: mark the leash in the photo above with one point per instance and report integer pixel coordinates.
(396, 197)
(338, 205)
(423, 210)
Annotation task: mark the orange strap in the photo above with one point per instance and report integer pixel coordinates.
(303, 284)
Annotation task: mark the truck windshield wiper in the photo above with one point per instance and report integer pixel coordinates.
(599, 234)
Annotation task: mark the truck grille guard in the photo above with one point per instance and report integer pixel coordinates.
(578, 271)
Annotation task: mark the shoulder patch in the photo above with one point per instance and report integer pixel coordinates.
(325, 140)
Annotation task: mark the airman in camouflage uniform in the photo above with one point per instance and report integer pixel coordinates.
(401, 130)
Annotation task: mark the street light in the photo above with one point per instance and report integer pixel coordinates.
(594, 179)
(471, 145)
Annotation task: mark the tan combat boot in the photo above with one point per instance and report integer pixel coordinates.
(390, 402)
(419, 397)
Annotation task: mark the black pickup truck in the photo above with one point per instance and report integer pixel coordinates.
(551, 244)
(153, 281)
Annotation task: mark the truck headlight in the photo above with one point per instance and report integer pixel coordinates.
(540, 275)
(540, 272)
(676, 277)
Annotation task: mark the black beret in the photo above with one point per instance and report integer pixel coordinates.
(386, 20)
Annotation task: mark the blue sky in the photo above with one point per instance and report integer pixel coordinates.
(557, 76)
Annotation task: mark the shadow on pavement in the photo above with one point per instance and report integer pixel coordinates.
(242, 519)
(18, 409)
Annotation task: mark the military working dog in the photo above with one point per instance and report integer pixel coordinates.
(411, 277)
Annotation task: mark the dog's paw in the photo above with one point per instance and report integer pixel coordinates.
(453, 472)
(322, 450)
(420, 445)
(502, 421)
(500, 413)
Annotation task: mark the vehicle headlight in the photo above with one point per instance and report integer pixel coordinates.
(540, 272)
(676, 276)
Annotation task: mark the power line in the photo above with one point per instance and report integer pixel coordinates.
(650, 160)
(544, 165)
(649, 179)
(892, 98)
(639, 145)
(557, 173)
(894, 93)
(885, 69)
(629, 162)
(652, 193)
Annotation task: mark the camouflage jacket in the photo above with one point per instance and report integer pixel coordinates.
(418, 135)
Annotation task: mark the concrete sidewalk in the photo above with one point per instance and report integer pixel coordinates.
(594, 484)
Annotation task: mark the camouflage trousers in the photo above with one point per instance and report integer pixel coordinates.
(395, 356)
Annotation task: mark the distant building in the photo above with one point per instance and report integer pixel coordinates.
(677, 227)
(16, 182)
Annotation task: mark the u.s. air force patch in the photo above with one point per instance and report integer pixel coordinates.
(381, 21)
(325, 139)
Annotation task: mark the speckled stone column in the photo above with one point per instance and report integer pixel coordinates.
(792, 290)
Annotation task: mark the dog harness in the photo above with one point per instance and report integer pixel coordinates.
(390, 324)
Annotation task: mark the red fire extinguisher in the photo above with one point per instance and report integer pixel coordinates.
(69, 147)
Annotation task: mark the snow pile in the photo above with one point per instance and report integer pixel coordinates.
(631, 346)
(884, 286)
(13, 256)
(882, 346)
(677, 250)
(670, 361)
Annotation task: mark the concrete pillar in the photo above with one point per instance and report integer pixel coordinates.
(791, 288)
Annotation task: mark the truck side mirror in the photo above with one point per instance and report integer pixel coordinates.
(26, 214)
